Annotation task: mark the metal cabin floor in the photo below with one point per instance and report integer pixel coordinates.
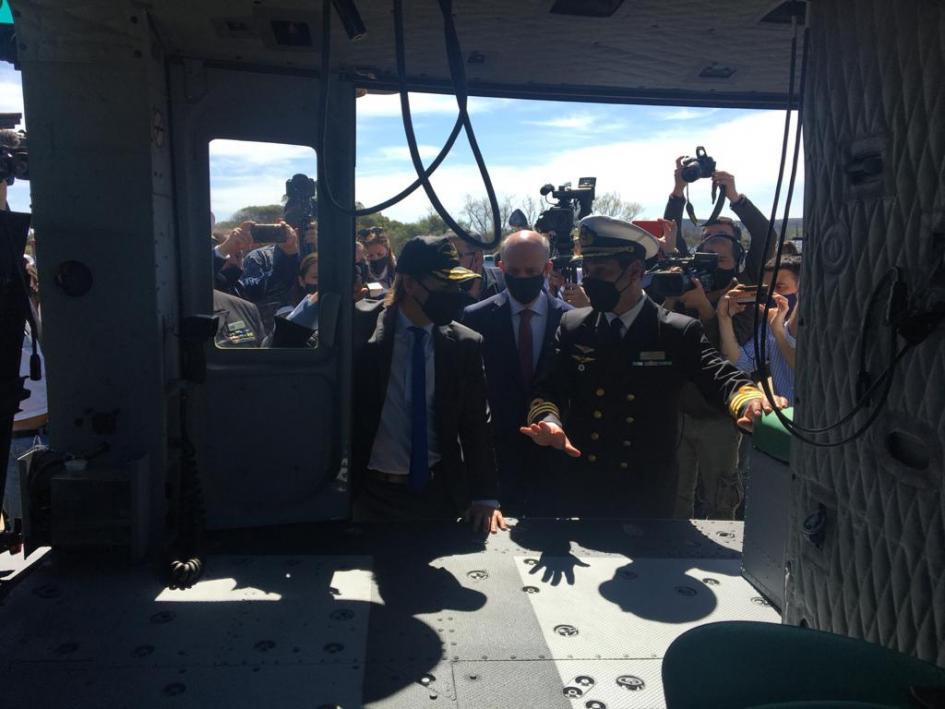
(340, 615)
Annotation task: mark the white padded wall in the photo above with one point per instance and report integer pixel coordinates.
(875, 87)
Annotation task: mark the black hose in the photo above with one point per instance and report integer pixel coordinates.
(760, 329)
(457, 72)
(458, 75)
(325, 73)
(461, 99)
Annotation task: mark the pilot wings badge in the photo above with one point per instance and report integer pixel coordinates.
(584, 354)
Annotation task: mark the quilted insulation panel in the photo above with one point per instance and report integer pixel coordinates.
(875, 89)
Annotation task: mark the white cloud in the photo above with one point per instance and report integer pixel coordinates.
(401, 152)
(244, 173)
(640, 170)
(573, 122)
(388, 105)
(258, 153)
(225, 200)
(686, 114)
(11, 97)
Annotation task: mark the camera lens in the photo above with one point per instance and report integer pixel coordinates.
(692, 172)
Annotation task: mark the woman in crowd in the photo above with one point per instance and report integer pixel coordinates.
(380, 259)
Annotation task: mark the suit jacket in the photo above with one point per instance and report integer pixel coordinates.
(493, 282)
(240, 324)
(508, 394)
(460, 408)
(619, 400)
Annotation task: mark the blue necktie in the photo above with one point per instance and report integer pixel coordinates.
(419, 447)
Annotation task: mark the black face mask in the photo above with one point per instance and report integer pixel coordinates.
(442, 307)
(524, 289)
(378, 267)
(311, 288)
(603, 295)
(721, 277)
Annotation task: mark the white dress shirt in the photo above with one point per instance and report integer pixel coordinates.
(391, 451)
(628, 317)
(538, 323)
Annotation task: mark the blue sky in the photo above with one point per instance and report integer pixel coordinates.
(630, 149)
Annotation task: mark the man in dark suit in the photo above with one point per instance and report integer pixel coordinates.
(615, 379)
(422, 444)
(518, 327)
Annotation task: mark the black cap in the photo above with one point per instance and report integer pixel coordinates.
(433, 256)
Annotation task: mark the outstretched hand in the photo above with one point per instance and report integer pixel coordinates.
(550, 434)
(755, 408)
(555, 567)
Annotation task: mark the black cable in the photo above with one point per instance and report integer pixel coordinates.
(461, 96)
(760, 333)
(423, 174)
(763, 358)
(408, 120)
(325, 73)
(458, 76)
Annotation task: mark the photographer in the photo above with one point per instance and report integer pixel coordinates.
(260, 273)
(730, 252)
(781, 332)
(254, 270)
(708, 447)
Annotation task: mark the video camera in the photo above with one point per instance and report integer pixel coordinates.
(570, 204)
(300, 205)
(665, 282)
(560, 217)
(14, 159)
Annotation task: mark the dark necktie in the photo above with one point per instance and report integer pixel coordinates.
(419, 447)
(525, 346)
(616, 329)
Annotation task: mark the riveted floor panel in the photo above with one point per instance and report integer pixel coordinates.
(552, 614)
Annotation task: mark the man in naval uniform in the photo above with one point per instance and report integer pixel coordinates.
(609, 397)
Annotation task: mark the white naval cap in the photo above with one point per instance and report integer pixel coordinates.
(603, 236)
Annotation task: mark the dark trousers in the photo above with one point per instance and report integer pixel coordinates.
(522, 469)
(578, 488)
(382, 501)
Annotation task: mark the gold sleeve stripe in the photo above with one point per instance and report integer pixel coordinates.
(540, 408)
(741, 397)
